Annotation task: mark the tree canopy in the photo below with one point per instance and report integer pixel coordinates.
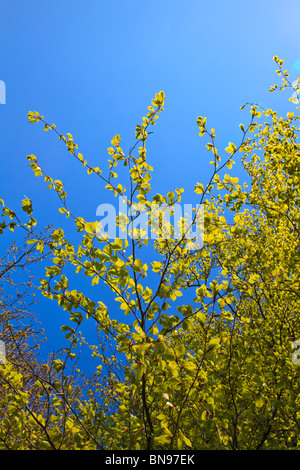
(198, 350)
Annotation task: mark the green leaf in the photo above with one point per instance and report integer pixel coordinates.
(91, 227)
(231, 148)
(259, 403)
(58, 365)
(95, 280)
(186, 440)
(201, 317)
(117, 244)
(27, 206)
(137, 265)
(214, 343)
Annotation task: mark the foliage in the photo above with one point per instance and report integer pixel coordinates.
(198, 352)
(39, 399)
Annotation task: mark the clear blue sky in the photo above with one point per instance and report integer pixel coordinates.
(92, 68)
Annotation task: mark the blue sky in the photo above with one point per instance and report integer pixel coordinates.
(92, 68)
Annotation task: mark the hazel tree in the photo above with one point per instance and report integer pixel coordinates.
(198, 349)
